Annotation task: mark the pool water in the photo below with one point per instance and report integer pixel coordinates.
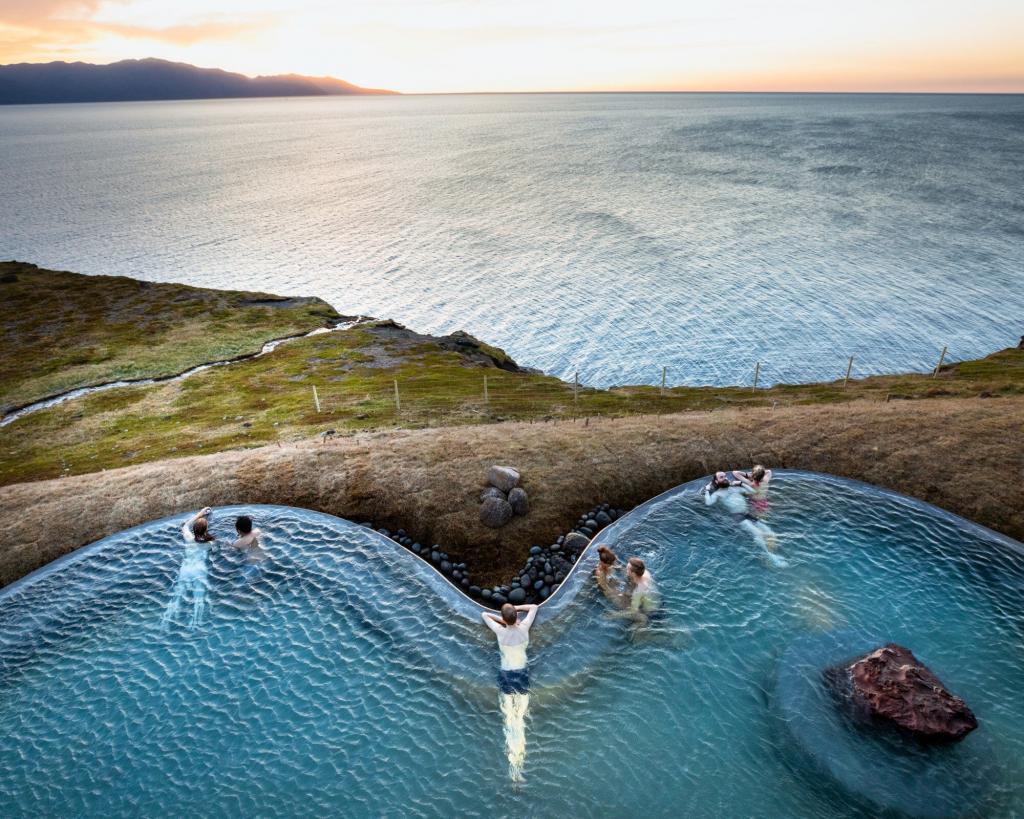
(350, 679)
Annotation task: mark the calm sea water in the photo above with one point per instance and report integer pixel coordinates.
(351, 680)
(609, 234)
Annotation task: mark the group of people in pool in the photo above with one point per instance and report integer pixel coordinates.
(633, 594)
(193, 574)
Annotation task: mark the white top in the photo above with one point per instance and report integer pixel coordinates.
(194, 562)
(733, 498)
(512, 640)
(643, 597)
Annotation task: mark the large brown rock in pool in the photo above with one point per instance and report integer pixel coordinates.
(890, 684)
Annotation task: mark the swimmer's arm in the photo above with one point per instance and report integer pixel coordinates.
(709, 496)
(742, 477)
(531, 614)
(492, 622)
(186, 527)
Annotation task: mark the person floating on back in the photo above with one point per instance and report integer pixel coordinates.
(513, 678)
(745, 503)
(193, 576)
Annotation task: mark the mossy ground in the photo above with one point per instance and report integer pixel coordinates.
(63, 330)
(270, 399)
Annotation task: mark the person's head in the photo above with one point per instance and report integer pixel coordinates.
(201, 530)
(757, 473)
(636, 567)
(606, 556)
(720, 481)
(243, 524)
(509, 615)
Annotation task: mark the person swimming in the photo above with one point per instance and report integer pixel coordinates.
(249, 544)
(193, 575)
(513, 678)
(735, 497)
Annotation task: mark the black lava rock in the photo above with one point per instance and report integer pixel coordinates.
(446, 567)
(499, 599)
(535, 550)
(516, 597)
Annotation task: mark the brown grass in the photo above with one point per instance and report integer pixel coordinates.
(963, 454)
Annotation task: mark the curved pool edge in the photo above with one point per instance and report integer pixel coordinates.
(569, 588)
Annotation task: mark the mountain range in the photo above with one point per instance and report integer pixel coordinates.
(153, 79)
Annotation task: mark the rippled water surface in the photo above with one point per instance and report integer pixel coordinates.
(610, 234)
(350, 679)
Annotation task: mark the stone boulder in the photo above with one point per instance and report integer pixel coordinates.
(519, 501)
(892, 686)
(495, 512)
(575, 542)
(492, 492)
(504, 478)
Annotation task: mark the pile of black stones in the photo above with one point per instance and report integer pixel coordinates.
(544, 569)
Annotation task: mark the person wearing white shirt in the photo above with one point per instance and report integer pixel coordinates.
(513, 678)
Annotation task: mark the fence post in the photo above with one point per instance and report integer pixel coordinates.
(398, 401)
(485, 390)
(941, 359)
(849, 366)
(575, 393)
(316, 399)
(664, 374)
(757, 372)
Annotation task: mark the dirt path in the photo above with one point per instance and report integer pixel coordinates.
(965, 455)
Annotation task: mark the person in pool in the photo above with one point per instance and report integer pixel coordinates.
(639, 599)
(513, 678)
(735, 497)
(756, 480)
(248, 543)
(604, 574)
(193, 576)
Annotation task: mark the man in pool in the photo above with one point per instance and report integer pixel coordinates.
(248, 543)
(513, 678)
(734, 496)
(643, 598)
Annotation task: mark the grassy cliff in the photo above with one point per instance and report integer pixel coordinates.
(61, 331)
(91, 329)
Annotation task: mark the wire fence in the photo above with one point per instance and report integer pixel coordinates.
(476, 395)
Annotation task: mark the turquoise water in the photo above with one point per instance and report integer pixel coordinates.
(351, 680)
(613, 234)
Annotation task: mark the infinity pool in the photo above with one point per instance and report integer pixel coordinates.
(350, 679)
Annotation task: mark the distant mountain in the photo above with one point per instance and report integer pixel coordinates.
(153, 79)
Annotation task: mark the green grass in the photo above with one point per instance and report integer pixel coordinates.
(62, 330)
(271, 399)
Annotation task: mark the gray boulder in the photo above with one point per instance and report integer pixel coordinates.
(517, 596)
(575, 541)
(504, 478)
(519, 501)
(495, 512)
(492, 492)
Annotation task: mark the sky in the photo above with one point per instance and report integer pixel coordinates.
(549, 45)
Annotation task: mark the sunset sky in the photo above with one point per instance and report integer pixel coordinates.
(547, 45)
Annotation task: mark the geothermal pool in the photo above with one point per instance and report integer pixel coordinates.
(349, 678)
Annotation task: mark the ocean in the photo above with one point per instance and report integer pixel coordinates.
(612, 235)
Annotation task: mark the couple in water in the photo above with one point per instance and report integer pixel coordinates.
(745, 499)
(634, 595)
(193, 575)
